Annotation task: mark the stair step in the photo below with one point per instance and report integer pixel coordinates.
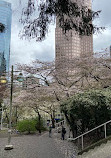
(102, 151)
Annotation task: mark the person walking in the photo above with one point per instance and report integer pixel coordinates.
(50, 131)
(63, 132)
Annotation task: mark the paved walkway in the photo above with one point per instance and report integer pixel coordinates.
(67, 148)
(32, 146)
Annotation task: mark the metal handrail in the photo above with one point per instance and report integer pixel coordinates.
(82, 135)
(60, 123)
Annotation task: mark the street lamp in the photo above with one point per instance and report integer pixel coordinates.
(2, 81)
(9, 146)
(20, 77)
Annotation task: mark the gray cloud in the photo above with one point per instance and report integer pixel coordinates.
(103, 40)
(105, 7)
(23, 51)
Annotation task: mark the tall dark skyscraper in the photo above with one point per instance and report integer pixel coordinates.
(5, 37)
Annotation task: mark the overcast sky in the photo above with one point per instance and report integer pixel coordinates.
(23, 51)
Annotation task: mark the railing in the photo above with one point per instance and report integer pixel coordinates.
(59, 124)
(82, 135)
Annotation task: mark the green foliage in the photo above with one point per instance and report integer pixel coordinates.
(30, 125)
(39, 126)
(90, 108)
(26, 125)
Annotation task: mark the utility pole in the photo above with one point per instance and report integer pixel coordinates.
(9, 146)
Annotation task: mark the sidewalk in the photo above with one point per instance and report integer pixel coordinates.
(32, 146)
(67, 148)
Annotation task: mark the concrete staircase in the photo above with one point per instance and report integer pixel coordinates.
(102, 151)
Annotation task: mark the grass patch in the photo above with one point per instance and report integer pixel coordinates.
(3, 133)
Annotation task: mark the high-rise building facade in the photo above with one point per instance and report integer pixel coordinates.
(71, 44)
(5, 37)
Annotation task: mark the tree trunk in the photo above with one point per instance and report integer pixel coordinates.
(53, 121)
(73, 127)
(83, 127)
(39, 123)
(7, 118)
(16, 117)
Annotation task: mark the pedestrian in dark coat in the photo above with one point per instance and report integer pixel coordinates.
(63, 133)
(50, 131)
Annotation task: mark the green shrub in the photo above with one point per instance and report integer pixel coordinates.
(39, 125)
(31, 125)
(90, 109)
(26, 125)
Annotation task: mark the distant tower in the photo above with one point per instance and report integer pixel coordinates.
(5, 37)
(72, 44)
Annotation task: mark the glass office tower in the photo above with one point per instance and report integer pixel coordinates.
(5, 37)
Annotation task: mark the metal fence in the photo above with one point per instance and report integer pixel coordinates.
(93, 135)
